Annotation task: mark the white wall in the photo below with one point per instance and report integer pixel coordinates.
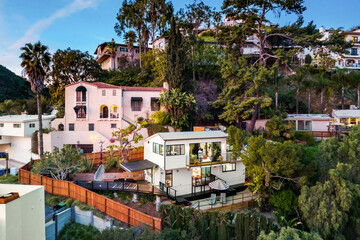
(19, 149)
(9, 130)
(23, 218)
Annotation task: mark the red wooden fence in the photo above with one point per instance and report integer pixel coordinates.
(112, 208)
(135, 155)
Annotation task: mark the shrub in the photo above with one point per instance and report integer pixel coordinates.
(304, 136)
(285, 201)
(160, 118)
(78, 231)
(53, 200)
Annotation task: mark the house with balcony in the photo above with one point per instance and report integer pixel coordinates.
(93, 110)
(16, 135)
(109, 61)
(345, 119)
(186, 162)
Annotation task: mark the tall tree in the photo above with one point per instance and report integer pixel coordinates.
(342, 79)
(111, 49)
(71, 66)
(298, 80)
(130, 39)
(176, 60)
(322, 85)
(275, 81)
(355, 82)
(35, 61)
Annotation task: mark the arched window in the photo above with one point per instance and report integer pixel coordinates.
(81, 94)
(114, 111)
(104, 111)
(61, 127)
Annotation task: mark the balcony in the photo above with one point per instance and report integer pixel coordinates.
(208, 161)
(114, 115)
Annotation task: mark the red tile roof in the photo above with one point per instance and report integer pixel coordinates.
(125, 88)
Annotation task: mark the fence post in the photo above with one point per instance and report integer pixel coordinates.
(128, 217)
(68, 189)
(105, 205)
(86, 197)
(52, 186)
(153, 222)
(41, 180)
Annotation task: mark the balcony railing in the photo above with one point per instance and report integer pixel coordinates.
(204, 161)
(114, 115)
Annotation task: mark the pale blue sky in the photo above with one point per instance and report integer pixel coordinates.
(83, 24)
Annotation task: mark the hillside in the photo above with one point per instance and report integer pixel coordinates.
(12, 86)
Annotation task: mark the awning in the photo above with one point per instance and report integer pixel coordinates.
(81, 89)
(136, 99)
(76, 108)
(154, 99)
(137, 165)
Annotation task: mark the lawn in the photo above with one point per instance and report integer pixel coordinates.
(10, 179)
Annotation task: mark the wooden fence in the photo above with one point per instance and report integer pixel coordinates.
(135, 155)
(112, 208)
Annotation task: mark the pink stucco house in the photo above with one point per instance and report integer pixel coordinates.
(93, 110)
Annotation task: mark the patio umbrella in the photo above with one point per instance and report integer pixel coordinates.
(218, 185)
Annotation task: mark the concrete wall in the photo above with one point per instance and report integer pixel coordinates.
(63, 218)
(23, 218)
(19, 149)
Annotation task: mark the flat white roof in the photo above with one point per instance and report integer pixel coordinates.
(346, 113)
(191, 135)
(320, 117)
(24, 118)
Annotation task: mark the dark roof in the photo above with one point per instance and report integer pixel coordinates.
(137, 165)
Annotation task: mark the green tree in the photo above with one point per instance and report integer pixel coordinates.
(242, 95)
(179, 105)
(326, 206)
(278, 129)
(289, 234)
(284, 201)
(322, 85)
(130, 39)
(71, 66)
(342, 80)
(176, 59)
(355, 82)
(237, 139)
(298, 80)
(11, 107)
(60, 163)
(35, 59)
(111, 49)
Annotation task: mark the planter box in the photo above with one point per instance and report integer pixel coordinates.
(110, 177)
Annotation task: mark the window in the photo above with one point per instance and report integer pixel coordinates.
(353, 121)
(80, 111)
(155, 104)
(136, 103)
(16, 125)
(229, 167)
(81, 94)
(172, 150)
(71, 127)
(91, 127)
(122, 49)
(355, 39)
(137, 51)
(304, 125)
(113, 125)
(61, 127)
(114, 92)
(114, 111)
(160, 45)
(0, 137)
(31, 125)
(1, 124)
(161, 149)
(103, 92)
(168, 178)
(104, 111)
(353, 51)
(156, 148)
(205, 152)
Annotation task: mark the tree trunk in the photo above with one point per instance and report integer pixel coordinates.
(358, 95)
(276, 99)
(343, 97)
(253, 118)
(309, 102)
(322, 100)
(41, 143)
(297, 99)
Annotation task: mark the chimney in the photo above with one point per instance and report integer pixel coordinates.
(166, 86)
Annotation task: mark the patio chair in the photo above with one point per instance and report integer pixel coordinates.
(223, 198)
(212, 200)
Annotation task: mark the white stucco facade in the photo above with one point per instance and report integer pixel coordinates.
(24, 217)
(16, 132)
(184, 171)
(92, 114)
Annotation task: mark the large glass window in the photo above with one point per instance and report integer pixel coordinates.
(229, 167)
(205, 152)
(169, 178)
(81, 94)
(304, 125)
(172, 150)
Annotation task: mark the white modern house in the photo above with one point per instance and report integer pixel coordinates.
(186, 162)
(94, 110)
(22, 212)
(16, 132)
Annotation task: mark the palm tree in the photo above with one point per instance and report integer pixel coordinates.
(321, 84)
(130, 39)
(355, 82)
(35, 61)
(297, 79)
(308, 85)
(112, 48)
(275, 81)
(342, 80)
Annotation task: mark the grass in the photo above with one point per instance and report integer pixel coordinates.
(10, 179)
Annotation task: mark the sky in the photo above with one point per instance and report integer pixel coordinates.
(83, 24)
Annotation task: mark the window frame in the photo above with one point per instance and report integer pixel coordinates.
(71, 127)
(2, 124)
(169, 173)
(31, 125)
(92, 128)
(103, 92)
(134, 107)
(113, 125)
(226, 164)
(181, 146)
(154, 101)
(16, 125)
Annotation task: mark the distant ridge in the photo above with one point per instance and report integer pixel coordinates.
(13, 86)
